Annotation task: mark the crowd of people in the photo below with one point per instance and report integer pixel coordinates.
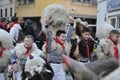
(82, 45)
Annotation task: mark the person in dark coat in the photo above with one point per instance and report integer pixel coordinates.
(28, 29)
(82, 46)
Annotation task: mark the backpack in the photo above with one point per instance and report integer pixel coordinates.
(21, 36)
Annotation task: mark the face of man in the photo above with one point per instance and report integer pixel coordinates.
(114, 37)
(5, 22)
(62, 38)
(86, 35)
(28, 42)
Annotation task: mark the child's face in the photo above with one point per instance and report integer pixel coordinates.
(85, 35)
(115, 37)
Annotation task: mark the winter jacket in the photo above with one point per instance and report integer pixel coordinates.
(14, 32)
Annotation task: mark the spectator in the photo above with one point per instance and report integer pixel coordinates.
(3, 23)
(15, 28)
(28, 29)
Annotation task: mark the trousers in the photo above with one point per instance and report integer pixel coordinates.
(59, 73)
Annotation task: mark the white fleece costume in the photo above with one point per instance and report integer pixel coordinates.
(6, 44)
(58, 19)
(103, 34)
(19, 56)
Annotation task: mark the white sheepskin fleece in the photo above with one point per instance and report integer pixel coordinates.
(104, 30)
(100, 47)
(20, 49)
(4, 59)
(6, 39)
(58, 17)
(35, 64)
(78, 20)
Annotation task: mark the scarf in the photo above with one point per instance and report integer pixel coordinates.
(116, 54)
(3, 49)
(59, 42)
(27, 51)
(3, 25)
(88, 50)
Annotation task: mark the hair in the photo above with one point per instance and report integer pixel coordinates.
(3, 19)
(59, 32)
(78, 29)
(14, 19)
(115, 32)
(85, 29)
(29, 36)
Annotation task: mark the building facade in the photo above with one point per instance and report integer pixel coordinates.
(109, 11)
(101, 13)
(7, 8)
(113, 9)
(84, 9)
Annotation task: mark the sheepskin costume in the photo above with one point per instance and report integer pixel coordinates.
(103, 34)
(37, 68)
(34, 64)
(58, 17)
(20, 50)
(58, 20)
(104, 30)
(6, 44)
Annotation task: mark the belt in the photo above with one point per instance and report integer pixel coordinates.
(55, 62)
(83, 61)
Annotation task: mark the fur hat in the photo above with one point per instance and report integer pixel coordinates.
(104, 30)
(5, 39)
(57, 16)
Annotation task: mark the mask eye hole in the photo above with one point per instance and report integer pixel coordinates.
(38, 65)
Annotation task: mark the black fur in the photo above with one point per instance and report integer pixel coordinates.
(103, 67)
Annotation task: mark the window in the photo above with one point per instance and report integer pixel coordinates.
(30, 2)
(76, 0)
(11, 11)
(25, 2)
(6, 12)
(20, 2)
(87, 1)
(1, 13)
(83, 1)
(94, 2)
(113, 22)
